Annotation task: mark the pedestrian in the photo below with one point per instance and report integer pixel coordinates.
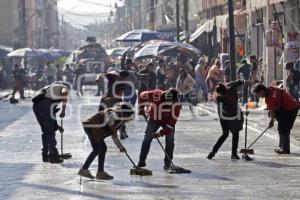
(162, 110)
(282, 107)
(45, 107)
(171, 78)
(100, 83)
(2, 77)
(256, 75)
(160, 75)
(229, 72)
(59, 73)
(50, 72)
(69, 74)
(292, 80)
(200, 79)
(79, 77)
(214, 76)
(116, 85)
(147, 78)
(19, 76)
(230, 114)
(243, 73)
(101, 125)
(185, 85)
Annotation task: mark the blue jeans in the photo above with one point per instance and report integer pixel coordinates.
(200, 84)
(152, 127)
(42, 111)
(99, 149)
(130, 96)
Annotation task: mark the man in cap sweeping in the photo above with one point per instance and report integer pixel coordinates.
(282, 107)
(161, 108)
(101, 125)
(45, 104)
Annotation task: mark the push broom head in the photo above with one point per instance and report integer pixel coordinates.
(247, 151)
(140, 172)
(179, 170)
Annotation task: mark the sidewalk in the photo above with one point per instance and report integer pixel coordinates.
(258, 119)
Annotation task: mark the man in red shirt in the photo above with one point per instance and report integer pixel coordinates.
(161, 108)
(282, 107)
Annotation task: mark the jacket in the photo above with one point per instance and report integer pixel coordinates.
(160, 111)
(102, 125)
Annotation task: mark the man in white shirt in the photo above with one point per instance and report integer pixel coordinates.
(45, 108)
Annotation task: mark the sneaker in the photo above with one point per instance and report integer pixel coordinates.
(86, 173)
(277, 150)
(283, 152)
(55, 159)
(141, 164)
(235, 157)
(211, 155)
(104, 176)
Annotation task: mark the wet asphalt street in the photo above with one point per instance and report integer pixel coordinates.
(24, 176)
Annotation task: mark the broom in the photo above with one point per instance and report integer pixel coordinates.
(137, 170)
(63, 155)
(246, 150)
(174, 169)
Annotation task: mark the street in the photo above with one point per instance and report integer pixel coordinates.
(24, 176)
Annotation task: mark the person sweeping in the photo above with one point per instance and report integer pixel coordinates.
(282, 107)
(230, 114)
(162, 110)
(101, 125)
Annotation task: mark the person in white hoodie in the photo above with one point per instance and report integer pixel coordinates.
(185, 84)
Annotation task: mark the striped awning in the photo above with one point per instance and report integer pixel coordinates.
(276, 1)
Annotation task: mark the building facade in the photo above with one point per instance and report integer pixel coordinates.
(29, 23)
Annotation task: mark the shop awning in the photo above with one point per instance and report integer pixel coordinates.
(276, 1)
(206, 27)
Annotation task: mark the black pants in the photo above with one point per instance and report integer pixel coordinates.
(285, 124)
(224, 136)
(99, 149)
(43, 113)
(152, 127)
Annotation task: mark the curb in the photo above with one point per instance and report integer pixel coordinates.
(253, 125)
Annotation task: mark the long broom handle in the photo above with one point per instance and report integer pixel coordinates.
(61, 137)
(127, 155)
(258, 138)
(134, 165)
(246, 126)
(167, 155)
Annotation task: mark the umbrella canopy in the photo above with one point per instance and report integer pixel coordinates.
(26, 52)
(50, 54)
(138, 36)
(4, 50)
(165, 48)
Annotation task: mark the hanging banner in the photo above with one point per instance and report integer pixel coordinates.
(277, 39)
(292, 46)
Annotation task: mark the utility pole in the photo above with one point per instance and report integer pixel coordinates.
(177, 21)
(186, 21)
(152, 16)
(231, 34)
(23, 24)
